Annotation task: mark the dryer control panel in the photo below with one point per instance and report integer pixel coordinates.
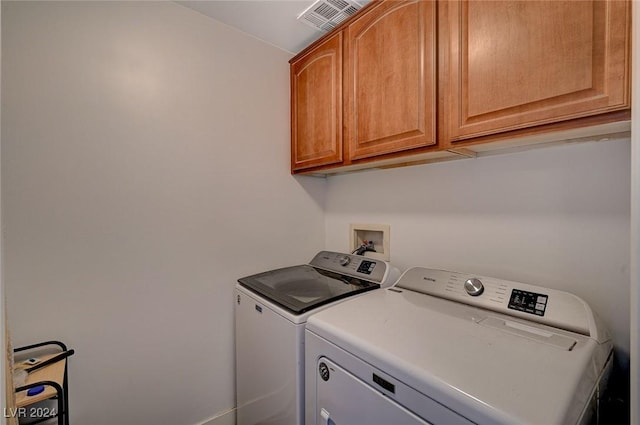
(538, 304)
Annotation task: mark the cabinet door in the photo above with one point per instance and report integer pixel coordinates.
(316, 106)
(390, 79)
(516, 64)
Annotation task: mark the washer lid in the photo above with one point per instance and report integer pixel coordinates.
(302, 288)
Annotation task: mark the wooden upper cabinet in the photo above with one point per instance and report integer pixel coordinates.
(507, 65)
(418, 80)
(390, 79)
(316, 106)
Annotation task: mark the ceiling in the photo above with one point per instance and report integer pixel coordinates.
(273, 21)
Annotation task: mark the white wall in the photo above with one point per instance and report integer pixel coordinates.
(3, 395)
(635, 224)
(556, 217)
(145, 157)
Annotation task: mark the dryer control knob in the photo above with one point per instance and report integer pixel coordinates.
(345, 260)
(474, 287)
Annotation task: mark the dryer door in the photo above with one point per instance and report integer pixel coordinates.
(343, 399)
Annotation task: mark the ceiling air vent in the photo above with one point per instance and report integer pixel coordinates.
(325, 15)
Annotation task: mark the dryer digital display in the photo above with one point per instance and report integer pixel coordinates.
(528, 302)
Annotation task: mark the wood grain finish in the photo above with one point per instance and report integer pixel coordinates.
(507, 65)
(316, 106)
(504, 70)
(390, 79)
(53, 372)
(10, 395)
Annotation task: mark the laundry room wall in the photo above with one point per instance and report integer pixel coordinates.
(556, 217)
(635, 222)
(145, 167)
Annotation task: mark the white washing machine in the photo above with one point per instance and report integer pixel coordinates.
(271, 310)
(448, 348)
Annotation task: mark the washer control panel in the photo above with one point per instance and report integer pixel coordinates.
(543, 305)
(353, 265)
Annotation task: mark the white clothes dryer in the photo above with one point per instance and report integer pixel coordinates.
(448, 348)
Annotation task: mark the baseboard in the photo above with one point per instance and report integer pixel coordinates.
(226, 418)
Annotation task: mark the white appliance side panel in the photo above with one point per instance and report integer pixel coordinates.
(343, 399)
(269, 364)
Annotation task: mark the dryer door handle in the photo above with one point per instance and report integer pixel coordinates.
(326, 417)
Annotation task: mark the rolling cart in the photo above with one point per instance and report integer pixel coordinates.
(50, 372)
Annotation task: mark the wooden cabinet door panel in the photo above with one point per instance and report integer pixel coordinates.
(516, 64)
(316, 106)
(390, 79)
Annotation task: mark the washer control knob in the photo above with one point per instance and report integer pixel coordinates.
(345, 261)
(474, 287)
